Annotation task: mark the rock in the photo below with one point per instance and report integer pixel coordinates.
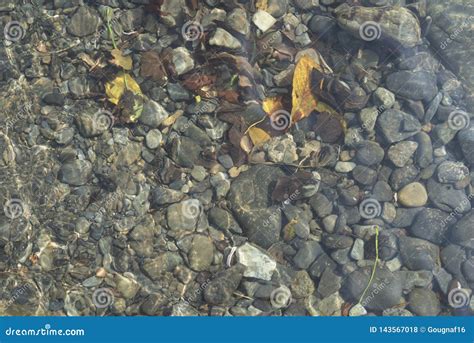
(401, 177)
(306, 255)
(161, 196)
(185, 151)
(364, 175)
(224, 39)
(153, 139)
(424, 302)
(223, 220)
(452, 172)
(462, 233)
(430, 224)
(201, 254)
(238, 21)
(385, 290)
(172, 12)
(165, 262)
(281, 149)
(357, 251)
(424, 152)
(75, 173)
(257, 263)
(321, 205)
(397, 125)
(383, 98)
(84, 22)
(369, 153)
(221, 289)
(250, 201)
(466, 141)
(126, 286)
(344, 167)
(329, 283)
(263, 20)
(184, 215)
(396, 24)
(368, 118)
(277, 8)
(413, 195)
(447, 198)
(454, 45)
(322, 263)
(452, 258)
(401, 153)
(182, 61)
(419, 85)
(418, 254)
(153, 114)
(302, 286)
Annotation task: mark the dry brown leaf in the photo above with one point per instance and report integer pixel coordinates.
(272, 104)
(303, 99)
(172, 118)
(153, 68)
(120, 60)
(258, 136)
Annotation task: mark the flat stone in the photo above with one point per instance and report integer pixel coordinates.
(224, 39)
(401, 153)
(263, 20)
(257, 263)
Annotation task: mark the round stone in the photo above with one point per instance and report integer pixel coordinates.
(413, 195)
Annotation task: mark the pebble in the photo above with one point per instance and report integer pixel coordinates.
(153, 114)
(447, 198)
(153, 139)
(426, 257)
(419, 85)
(201, 253)
(344, 167)
(384, 98)
(369, 153)
(413, 195)
(257, 263)
(357, 252)
(430, 224)
(224, 39)
(84, 22)
(306, 255)
(424, 302)
(401, 153)
(462, 233)
(238, 21)
(302, 286)
(263, 20)
(182, 61)
(452, 172)
(397, 126)
(75, 173)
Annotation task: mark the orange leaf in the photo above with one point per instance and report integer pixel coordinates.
(273, 104)
(258, 136)
(303, 99)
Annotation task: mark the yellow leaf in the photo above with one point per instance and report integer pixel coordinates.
(262, 5)
(258, 136)
(120, 60)
(303, 99)
(115, 88)
(273, 104)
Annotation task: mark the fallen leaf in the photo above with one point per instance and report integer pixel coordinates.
(120, 60)
(131, 106)
(258, 136)
(303, 100)
(272, 104)
(116, 88)
(172, 118)
(152, 67)
(197, 81)
(229, 95)
(262, 5)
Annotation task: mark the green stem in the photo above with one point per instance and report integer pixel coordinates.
(375, 264)
(109, 29)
